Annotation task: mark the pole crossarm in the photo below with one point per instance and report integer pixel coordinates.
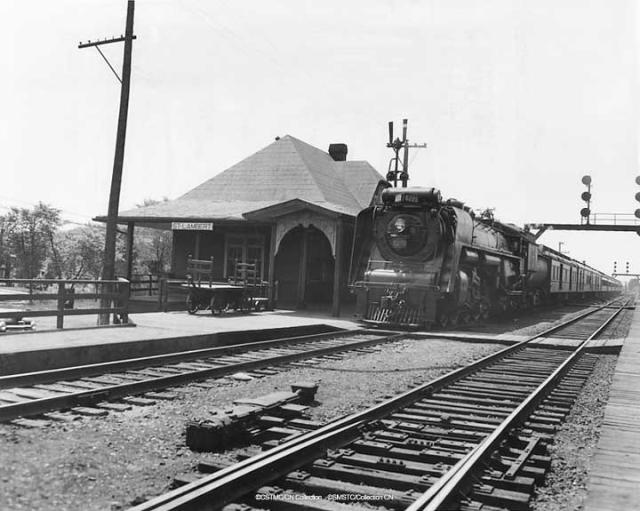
(105, 41)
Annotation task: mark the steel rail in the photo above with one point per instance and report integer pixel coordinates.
(52, 375)
(111, 392)
(447, 487)
(226, 485)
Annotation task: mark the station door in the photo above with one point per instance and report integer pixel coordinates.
(304, 269)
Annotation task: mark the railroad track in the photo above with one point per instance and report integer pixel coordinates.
(473, 439)
(83, 388)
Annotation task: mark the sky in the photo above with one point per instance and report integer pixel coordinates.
(516, 99)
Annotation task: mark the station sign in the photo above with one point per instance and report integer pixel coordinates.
(191, 226)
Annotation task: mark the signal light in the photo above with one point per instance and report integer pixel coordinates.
(627, 269)
(586, 196)
(615, 267)
(637, 211)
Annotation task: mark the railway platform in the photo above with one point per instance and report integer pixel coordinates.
(166, 332)
(614, 481)
(153, 334)
(593, 346)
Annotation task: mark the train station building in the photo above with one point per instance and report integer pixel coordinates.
(289, 209)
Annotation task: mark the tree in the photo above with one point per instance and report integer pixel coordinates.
(152, 247)
(5, 252)
(81, 252)
(29, 235)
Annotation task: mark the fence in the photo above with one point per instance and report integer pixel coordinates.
(113, 292)
(144, 284)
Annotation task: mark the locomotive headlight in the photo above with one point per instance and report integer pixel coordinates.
(400, 224)
(405, 234)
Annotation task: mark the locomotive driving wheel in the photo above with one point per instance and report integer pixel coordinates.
(485, 308)
(447, 319)
(465, 317)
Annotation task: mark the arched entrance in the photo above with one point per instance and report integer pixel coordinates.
(304, 268)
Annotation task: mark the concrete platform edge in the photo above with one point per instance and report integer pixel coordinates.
(42, 359)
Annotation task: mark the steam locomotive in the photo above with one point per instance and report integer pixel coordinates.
(419, 260)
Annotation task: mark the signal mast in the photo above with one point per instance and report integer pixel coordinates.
(400, 170)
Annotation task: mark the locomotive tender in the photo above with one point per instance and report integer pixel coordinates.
(419, 260)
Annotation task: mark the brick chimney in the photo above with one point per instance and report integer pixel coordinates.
(338, 152)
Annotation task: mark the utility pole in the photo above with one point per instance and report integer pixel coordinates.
(394, 175)
(108, 272)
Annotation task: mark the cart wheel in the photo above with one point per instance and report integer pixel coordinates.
(192, 304)
(215, 306)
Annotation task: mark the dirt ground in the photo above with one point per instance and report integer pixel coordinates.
(116, 460)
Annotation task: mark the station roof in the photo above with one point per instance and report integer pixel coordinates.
(285, 170)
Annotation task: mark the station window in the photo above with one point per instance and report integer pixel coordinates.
(244, 249)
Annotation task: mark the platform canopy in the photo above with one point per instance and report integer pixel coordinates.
(285, 170)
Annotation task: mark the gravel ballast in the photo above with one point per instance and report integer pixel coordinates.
(121, 459)
(117, 460)
(565, 487)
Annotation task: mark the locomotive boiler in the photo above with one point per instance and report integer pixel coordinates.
(419, 260)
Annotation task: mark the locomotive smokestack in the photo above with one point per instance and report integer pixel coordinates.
(338, 152)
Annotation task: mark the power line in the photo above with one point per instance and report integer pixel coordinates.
(35, 203)
(240, 41)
